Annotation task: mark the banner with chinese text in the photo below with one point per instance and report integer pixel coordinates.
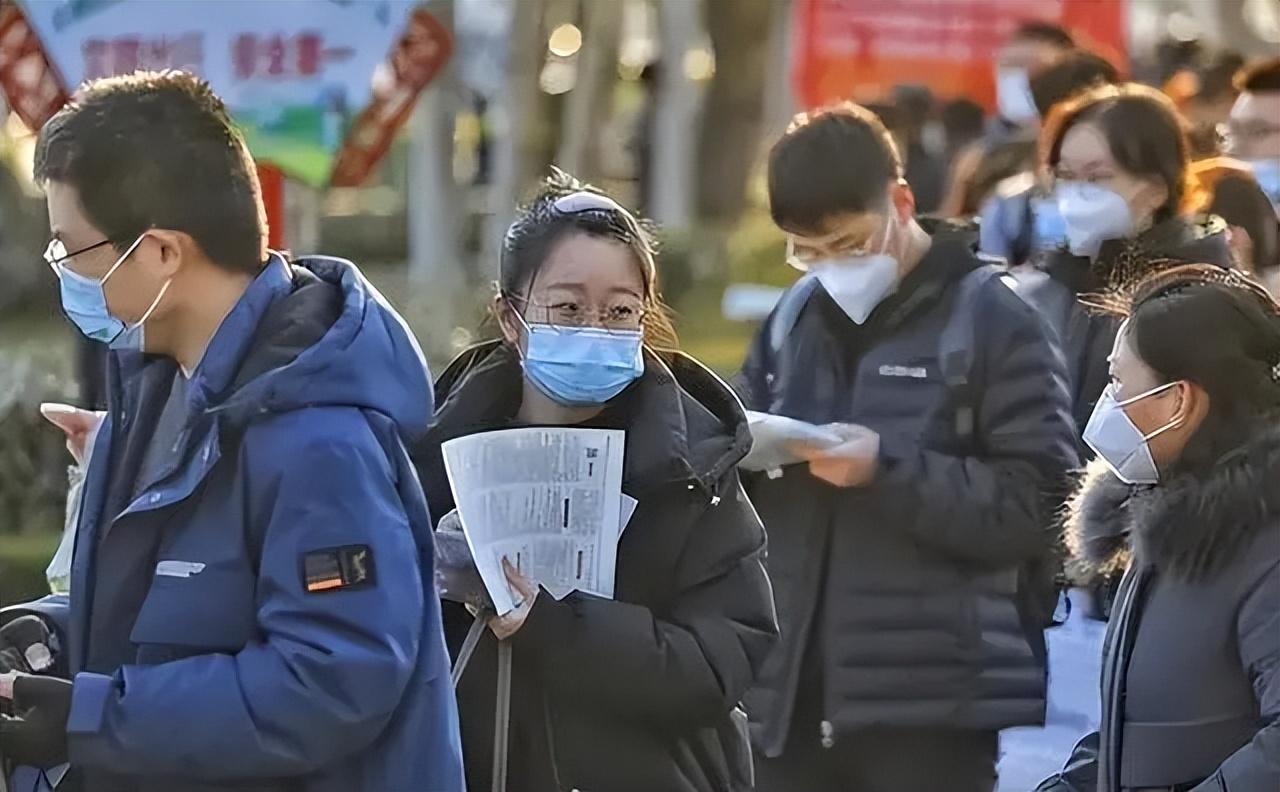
(860, 49)
(299, 77)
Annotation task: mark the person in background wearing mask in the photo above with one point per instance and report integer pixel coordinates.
(1033, 47)
(1021, 220)
(1254, 133)
(637, 693)
(902, 557)
(925, 169)
(1117, 160)
(1235, 196)
(1183, 496)
(252, 601)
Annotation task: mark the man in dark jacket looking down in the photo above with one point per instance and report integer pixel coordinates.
(906, 559)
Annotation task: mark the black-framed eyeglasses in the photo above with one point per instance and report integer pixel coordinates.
(55, 255)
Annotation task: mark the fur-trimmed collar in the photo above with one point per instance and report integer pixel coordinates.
(1189, 525)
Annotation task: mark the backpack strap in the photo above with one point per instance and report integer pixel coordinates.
(957, 345)
(787, 312)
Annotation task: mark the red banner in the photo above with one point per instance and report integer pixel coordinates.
(33, 89)
(420, 54)
(860, 49)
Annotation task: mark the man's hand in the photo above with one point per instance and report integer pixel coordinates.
(38, 735)
(78, 424)
(852, 463)
(506, 626)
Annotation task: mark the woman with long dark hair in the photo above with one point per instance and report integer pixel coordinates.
(638, 692)
(1185, 497)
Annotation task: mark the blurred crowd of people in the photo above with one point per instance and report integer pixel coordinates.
(961, 163)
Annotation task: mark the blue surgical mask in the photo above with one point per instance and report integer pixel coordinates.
(582, 366)
(85, 303)
(1267, 172)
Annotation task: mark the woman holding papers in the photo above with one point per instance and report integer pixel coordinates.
(638, 692)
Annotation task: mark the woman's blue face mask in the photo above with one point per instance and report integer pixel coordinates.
(581, 366)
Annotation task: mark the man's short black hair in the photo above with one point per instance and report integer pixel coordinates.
(1077, 71)
(158, 150)
(1260, 77)
(836, 159)
(1043, 32)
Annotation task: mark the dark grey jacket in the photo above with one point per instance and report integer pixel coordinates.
(915, 577)
(1058, 280)
(635, 694)
(1191, 668)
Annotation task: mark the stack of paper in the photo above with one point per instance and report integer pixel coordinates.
(548, 499)
(776, 441)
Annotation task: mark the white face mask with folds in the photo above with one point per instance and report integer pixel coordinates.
(858, 282)
(1118, 441)
(1092, 214)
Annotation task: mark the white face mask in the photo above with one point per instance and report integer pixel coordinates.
(1092, 214)
(1119, 442)
(859, 282)
(1013, 96)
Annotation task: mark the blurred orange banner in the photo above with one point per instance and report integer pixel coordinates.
(860, 49)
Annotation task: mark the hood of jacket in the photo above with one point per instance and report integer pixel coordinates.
(328, 338)
(704, 431)
(1190, 524)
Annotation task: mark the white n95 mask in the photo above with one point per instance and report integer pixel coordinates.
(1119, 442)
(859, 282)
(1092, 214)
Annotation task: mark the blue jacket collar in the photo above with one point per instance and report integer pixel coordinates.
(231, 342)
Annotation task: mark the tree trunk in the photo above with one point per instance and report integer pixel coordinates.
(438, 288)
(674, 114)
(519, 138)
(590, 102)
(731, 120)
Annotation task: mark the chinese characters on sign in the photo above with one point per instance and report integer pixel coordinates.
(282, 56)
(318, 94)
(104, 57)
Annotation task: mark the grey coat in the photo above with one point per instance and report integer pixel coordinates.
(1191, 666)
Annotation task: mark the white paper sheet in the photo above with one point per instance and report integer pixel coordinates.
(548, 499)
(774, 438)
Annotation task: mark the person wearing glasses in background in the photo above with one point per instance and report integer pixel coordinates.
(908, 558)
(1184, 499)
(252, 604)
(1117, 158)
(1254, 133)
(638, 693)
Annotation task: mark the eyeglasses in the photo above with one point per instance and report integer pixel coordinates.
(624, 316)
(55, 255)
(803, 252)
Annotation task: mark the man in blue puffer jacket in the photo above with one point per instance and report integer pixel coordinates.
(252, 598)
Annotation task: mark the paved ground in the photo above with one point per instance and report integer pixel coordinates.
(1075, 652)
